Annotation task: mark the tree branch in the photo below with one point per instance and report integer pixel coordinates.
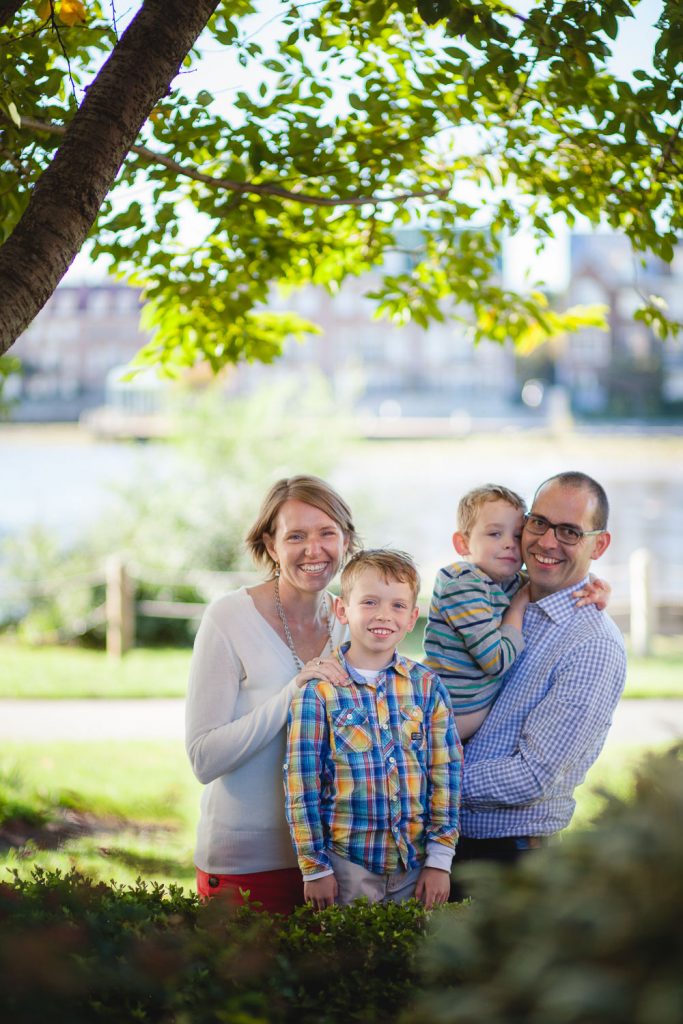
(249, 188)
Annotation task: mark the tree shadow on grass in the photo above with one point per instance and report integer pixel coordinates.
(66, 825)
(148, 864)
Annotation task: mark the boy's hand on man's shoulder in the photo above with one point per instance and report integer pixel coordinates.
(433, 887)
(321, 892)
(596, 591)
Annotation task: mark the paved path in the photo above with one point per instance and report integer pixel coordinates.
(635, 721)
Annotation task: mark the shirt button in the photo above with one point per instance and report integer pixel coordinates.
(349, 718)
(392, 760)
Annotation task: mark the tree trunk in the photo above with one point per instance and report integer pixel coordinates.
(8, 8)
(70, 192)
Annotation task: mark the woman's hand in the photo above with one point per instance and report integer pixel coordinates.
(322, 668)
(596, 591)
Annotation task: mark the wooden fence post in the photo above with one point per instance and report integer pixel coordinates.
(120, 608)
(643, 616)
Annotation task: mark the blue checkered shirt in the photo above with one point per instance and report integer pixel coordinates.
(548, 725)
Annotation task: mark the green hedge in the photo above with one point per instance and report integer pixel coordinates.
(75, 951)
(587, 932)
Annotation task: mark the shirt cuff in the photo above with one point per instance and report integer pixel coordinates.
(514, 636)
(320, 874)
(438, 855)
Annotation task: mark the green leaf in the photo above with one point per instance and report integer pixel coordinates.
(14, 113)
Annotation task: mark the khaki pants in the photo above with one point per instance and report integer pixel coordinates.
(355, 881)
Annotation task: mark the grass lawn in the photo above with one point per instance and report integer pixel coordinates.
(54, 672)
(47, 672)
(136, 806)
(121, 810)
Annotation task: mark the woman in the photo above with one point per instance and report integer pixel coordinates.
(254, 647)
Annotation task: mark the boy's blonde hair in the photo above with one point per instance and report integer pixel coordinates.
(470, 504)
(393, 565)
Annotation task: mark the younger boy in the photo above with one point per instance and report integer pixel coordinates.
(373, 769)
(474, 631)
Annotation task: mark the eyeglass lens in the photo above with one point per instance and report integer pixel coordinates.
(565, 534)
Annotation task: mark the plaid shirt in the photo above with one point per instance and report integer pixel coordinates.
(373, 769)
(549, 723)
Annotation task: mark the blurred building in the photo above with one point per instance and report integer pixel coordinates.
(626, 371)
(73, 353)
(391, 371)
(79, 336)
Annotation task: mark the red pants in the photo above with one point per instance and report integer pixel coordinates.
(278, 892)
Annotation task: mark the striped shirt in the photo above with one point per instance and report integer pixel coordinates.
(373, 769)
(549, 723)
(464, 641)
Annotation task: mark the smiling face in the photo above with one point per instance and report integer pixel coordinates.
(379, 611)
(553, 566)
(493, 543)
(307, 544)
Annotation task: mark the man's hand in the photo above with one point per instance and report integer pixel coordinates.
(433, 887)
(321, 892)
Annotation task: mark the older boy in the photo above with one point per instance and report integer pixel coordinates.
(373, 769)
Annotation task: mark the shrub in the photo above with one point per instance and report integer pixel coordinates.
(586, 932)
(73, 950)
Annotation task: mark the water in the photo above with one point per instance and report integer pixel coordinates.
(58, 480)
(403, 493)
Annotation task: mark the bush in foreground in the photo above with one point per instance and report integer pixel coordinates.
(73, 950)
(585, 932)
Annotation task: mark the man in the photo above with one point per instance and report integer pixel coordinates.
(550, 721)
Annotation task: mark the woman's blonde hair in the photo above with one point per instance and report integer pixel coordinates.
(309, 489)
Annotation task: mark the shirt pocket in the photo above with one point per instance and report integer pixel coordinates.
(352, 731)
(412, 727)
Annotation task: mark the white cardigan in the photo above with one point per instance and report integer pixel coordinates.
(241, 684)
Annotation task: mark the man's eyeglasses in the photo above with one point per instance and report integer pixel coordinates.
(566, 534)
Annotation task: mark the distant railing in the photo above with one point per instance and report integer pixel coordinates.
(641, 614)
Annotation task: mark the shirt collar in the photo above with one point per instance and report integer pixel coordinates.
(397, 664)
(560, 606)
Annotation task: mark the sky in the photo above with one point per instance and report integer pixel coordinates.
(522, 265)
